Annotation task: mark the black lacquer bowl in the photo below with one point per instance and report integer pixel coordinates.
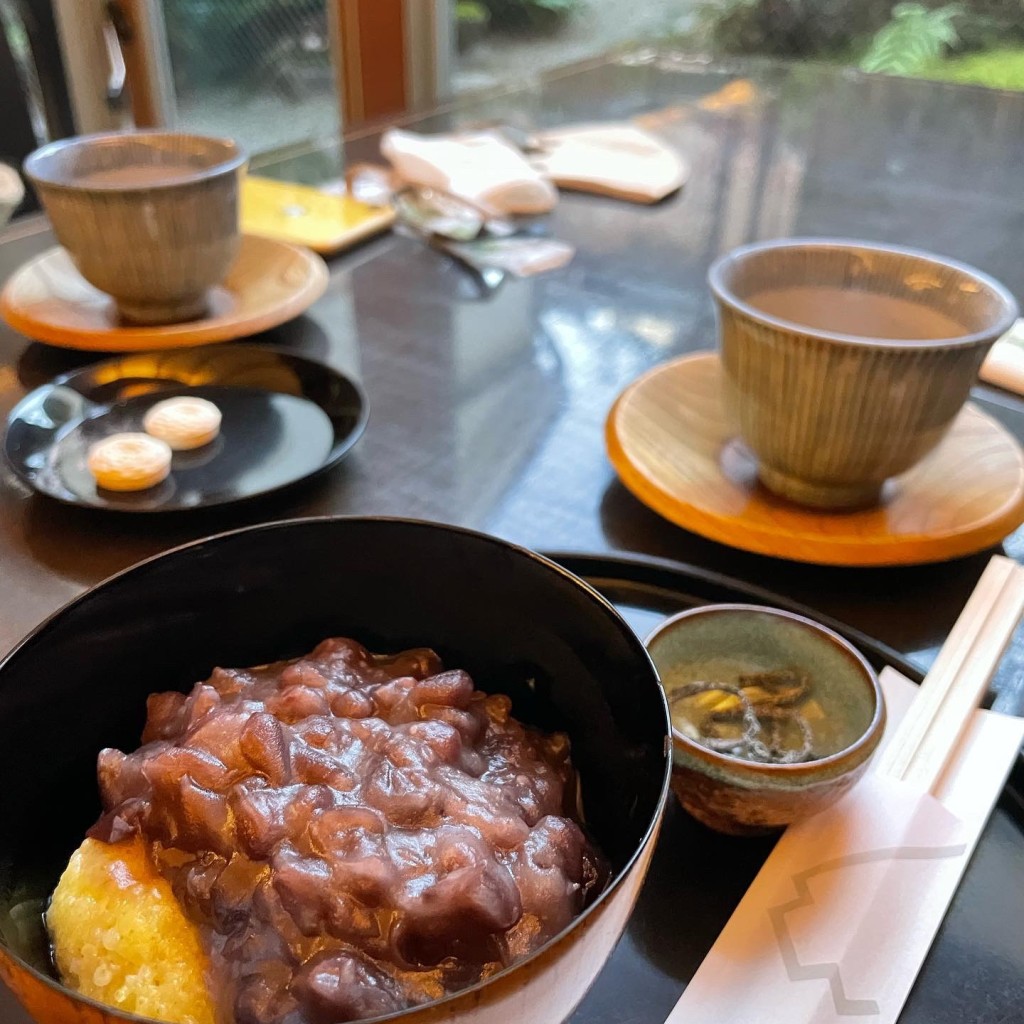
(517, 622)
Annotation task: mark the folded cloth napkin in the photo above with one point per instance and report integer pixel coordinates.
(618, 160)
(480, 167)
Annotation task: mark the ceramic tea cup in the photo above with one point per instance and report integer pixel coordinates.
(150, 218)
(846, 362)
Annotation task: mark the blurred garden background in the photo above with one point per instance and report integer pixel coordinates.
(978, 42)
(260, 69)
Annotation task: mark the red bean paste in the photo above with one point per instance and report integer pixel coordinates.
(354, 833)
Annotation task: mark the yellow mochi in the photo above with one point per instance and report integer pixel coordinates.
(120, 937)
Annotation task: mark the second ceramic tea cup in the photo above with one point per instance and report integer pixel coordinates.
(846, 362)
(150, 218)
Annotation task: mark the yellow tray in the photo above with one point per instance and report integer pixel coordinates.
(325, 222)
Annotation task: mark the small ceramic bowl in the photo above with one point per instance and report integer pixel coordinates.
(150, 218)
(843, 713)
(846, 362)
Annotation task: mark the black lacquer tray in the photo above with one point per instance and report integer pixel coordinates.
(974, 973)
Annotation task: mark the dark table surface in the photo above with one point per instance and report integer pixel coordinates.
(488, 411)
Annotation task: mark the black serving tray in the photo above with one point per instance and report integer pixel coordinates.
(974, 973)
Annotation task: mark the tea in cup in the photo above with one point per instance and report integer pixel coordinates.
(846, 362)
(151, 218)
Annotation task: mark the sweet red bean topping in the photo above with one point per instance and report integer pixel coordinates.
(354, 833)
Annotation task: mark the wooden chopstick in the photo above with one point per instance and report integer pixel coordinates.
(929, 734)
(949, 663)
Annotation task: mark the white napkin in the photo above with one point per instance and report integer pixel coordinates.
(480, 167)
(618, 160)
(12, 191)
(1004, 365)
(839, 920)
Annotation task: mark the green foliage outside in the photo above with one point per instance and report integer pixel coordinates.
(998, 69)
(916, 37)
(214, 41)
(789, 28)
(530, 14)
(471, 12)
(977, 41)
(220, 41)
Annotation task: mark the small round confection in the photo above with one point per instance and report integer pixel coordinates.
(129, 462)
(183, 422)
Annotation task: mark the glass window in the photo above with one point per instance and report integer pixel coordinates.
(258, 70)
(501, 40)
(978, 42)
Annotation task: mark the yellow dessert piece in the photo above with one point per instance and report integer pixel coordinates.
(120, 937)
(129, 462)
(184, 422)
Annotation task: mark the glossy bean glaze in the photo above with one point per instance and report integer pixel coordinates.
(353, 833)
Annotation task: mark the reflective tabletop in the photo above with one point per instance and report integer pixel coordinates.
(487, 407)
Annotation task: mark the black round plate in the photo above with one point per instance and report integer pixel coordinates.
(285, 417)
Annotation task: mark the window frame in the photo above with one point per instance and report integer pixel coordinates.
(417, 37)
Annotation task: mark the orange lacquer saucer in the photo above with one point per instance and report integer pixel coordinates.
(271, 282)
(673, 444)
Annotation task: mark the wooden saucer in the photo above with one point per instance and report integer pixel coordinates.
(673, 445)
(271, 282)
